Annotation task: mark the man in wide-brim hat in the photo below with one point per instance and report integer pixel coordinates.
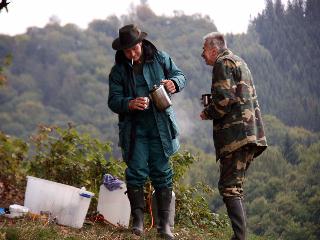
(147, 136)
(129, 36)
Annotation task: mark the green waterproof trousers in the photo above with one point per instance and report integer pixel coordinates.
(148, 158)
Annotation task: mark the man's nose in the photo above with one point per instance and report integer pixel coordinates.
(132, 54)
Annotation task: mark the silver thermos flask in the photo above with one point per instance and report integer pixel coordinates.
(160, 97)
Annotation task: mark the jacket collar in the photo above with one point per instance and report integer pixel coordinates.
(224, 53)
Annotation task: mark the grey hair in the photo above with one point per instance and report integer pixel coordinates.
(216, 39)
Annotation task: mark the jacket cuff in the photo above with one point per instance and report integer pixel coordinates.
(209, 114)
(175, 82)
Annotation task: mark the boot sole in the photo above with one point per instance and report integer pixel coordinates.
(137, 232)
(165, 236)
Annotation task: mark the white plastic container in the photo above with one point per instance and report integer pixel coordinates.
(172, 209)
(17, 211)
(68, 205)
(114, 205)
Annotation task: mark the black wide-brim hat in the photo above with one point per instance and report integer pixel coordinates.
(129, 36)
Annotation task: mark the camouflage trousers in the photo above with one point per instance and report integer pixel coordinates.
(232, 172)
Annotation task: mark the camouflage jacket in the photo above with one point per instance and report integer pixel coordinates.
(234, 108)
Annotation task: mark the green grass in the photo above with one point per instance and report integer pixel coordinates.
(28, 229)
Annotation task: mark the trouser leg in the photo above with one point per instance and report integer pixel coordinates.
(159, 166)
(232, 174)
(137, 170)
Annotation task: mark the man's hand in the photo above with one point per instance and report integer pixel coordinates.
(169, 86)
(203, 116)
(140, 103)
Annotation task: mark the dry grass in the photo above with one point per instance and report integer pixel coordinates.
(29, 229)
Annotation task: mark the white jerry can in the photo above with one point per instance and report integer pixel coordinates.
(114, 205)
(67, 204)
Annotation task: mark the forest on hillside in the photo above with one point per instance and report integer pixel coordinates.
(59, 74)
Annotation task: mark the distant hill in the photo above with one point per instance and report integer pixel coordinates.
(60, 73)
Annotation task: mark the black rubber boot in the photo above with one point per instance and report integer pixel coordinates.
(164, 196)
(136, 198)
(237, 216)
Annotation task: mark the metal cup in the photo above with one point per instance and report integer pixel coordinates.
(147, 100)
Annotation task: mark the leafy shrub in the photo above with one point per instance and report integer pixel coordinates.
(192, 208)
(65, 156)
(181, 162)
(13, 152)
(4, 63)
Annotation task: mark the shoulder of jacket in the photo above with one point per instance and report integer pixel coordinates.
(227, 59)
(230, 60)
(117, 70)
(162, 55)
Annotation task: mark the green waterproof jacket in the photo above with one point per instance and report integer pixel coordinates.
(157, 66)
(234, 108)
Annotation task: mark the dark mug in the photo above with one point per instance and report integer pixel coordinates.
(206, 99)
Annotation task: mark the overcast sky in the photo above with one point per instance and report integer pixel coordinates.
(228, 15)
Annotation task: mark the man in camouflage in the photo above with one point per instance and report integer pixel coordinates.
(238, 132)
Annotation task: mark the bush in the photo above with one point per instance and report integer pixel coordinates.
(192, 208)
(13, 152)
(65, 156)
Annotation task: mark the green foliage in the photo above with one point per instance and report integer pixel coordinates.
(192, 209)
(3, 64)
(27, 231)
(65, 156)
(291, 35)
(11, 234)
(13, 152)
(283, 199)
(181, 163)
